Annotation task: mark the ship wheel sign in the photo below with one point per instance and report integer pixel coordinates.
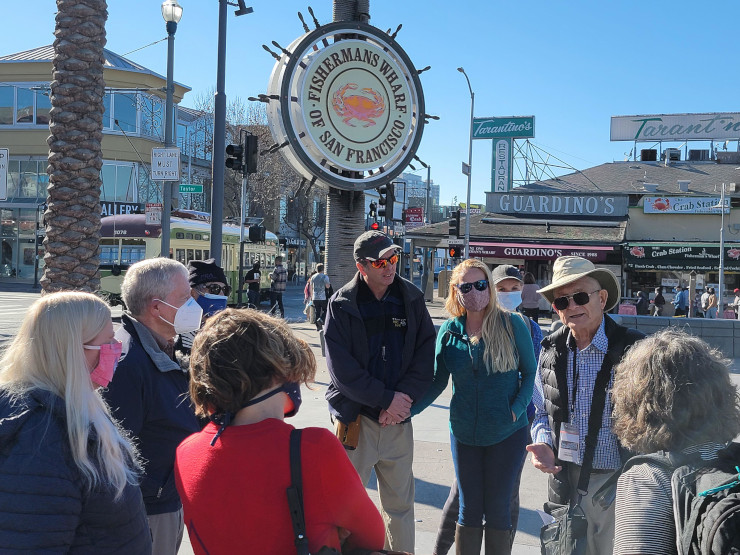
(346, 106)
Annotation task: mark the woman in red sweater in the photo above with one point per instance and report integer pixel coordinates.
(246, 371)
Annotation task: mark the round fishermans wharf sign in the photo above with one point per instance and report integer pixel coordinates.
(351, 106)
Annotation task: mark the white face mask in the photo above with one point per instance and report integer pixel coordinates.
(187, 317)
(509, 300)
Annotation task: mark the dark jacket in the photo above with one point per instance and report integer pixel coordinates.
(149, 396)
(352, 386)
(45, 505)
(553, 371)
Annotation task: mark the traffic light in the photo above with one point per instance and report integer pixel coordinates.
(235, 157)
(454, 230)
(455, 252)
(386, 201)
(251, 154)
(257, 234)
(373, 209)
(374, 226)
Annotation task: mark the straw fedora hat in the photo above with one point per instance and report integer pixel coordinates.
(568, 269)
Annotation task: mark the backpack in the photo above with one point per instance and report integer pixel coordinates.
(706, 499)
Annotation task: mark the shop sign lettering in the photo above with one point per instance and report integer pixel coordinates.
(676, 127)
(561, 205)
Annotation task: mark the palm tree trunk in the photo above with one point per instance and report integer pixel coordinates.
(75, 154)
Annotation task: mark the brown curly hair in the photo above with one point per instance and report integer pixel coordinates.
(671, 391)
(240, 352)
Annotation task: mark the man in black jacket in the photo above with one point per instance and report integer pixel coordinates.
(575, 369)
(149, 391)
(380, 354)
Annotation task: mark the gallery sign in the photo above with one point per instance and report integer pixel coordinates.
(684, 205)
(557, 204)
(533, 251)
(676, 127)
(508, 127)
(680, 257)
(118, 208)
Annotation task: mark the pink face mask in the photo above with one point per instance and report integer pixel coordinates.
(110, 353)
(474, 300)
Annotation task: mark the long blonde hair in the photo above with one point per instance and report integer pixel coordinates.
(500, 354)
(47, 354)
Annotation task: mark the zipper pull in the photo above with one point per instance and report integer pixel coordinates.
(382, 352)
(159, 492)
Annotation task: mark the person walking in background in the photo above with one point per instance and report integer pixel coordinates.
(642, 305)
(658, 302)
(252, 278)
(672, 392)
(278, 282)
(712, 306)
(530, 297)
(735, 304)
(573, 439)
(507, 282)
(380, 356)
(68, 474)
(148, 393)
(681, 302)
(698, 309)
(319, 287)
(247, 369)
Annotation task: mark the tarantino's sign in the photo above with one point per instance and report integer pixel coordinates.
(674, 257)
(676, 127)
(356, 104)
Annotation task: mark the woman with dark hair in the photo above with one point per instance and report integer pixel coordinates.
(530, 297)
(672, 392)
(488, 352)
(712, 306)
(246, 372)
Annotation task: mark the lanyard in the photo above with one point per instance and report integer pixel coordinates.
(575, 385)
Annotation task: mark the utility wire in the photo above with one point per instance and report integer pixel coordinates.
(143, 47)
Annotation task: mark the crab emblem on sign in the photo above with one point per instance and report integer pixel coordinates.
(364, 108)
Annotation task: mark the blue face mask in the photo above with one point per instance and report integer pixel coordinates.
(291, 389)
(211, 303)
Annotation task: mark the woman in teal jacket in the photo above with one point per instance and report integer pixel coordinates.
(484, 349)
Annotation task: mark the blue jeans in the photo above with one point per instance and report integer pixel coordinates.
(254, 297)
(486, 477)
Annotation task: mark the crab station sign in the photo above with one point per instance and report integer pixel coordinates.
(350, 106)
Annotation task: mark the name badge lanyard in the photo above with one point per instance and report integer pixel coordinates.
(575, 386)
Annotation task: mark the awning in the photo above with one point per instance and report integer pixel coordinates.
(699, 257)
(535, 251)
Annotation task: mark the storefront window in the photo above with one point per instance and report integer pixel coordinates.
(124, 111)
(106, 114)
(43, 105)
(29, 178)
(119, 182)
(24, 113)
(7, 97)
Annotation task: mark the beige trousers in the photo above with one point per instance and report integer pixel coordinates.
(390, 451)
(600, 522)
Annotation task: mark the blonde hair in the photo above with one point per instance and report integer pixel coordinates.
(47, 354)
(500, 354)
(239, 353)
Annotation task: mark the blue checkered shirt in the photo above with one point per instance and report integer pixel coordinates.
(589, 363)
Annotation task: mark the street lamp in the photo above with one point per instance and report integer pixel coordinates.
(721, 285)
(470, 164)
(172, 13)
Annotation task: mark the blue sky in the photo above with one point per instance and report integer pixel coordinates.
(570, 64)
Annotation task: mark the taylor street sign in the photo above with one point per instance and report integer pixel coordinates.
(507, 127)
(188, 188)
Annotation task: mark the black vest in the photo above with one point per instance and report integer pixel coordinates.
(554, 371)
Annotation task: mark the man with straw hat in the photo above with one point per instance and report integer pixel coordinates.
(572, 438)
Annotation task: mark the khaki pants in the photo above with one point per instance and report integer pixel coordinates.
(390, 451)
(600, 522)
(167, 530)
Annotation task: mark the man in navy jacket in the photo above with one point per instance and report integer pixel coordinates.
(380, 354)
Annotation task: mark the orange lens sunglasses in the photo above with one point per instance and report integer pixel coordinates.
(383, 262)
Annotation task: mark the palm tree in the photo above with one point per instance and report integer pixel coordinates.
(75, 155)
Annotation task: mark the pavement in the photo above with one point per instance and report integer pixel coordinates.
(433, 470)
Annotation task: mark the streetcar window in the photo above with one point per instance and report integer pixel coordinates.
(197, 236)
(198, 254)
(206, 255)
(131, 254)
(108, 255)
(188, 236)
(190, 255)
(180, 255)
(179, 235)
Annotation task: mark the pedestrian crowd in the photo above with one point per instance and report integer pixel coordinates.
(117, 441)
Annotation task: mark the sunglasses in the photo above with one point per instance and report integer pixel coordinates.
(480, 285)
(581, 298)
(383, 262)
(216, 289)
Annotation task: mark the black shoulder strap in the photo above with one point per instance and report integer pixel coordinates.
(295, 494)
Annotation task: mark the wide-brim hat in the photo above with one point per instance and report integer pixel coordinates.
(568, 269)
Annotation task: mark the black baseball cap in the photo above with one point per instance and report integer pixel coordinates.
(373, 245)
(505, 271)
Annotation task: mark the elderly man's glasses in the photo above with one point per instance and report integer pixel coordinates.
(581, 298)
(480, 285)
(383, 262)
(216, 289)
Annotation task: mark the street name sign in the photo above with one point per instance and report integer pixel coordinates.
(189, 188)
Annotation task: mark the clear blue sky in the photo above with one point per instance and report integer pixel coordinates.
(570, 64)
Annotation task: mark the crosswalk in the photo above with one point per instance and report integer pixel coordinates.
(13, 308)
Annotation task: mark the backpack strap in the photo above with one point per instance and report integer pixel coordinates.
(295, 494)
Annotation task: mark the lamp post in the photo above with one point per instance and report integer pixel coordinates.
(721, 253)
(470, 164)
(171, 12)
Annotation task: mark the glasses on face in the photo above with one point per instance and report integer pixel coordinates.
(480, 285)
(216, 289)
(581, 298)
(383, 262)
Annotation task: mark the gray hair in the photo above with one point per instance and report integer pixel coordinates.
(149, 279)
